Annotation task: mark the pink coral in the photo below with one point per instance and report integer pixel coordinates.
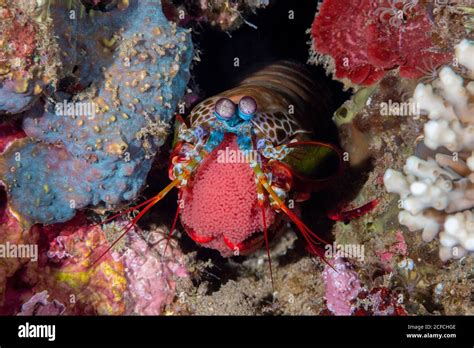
(342, 286)
(151, 277)
(397, 248)
(365, 41)
(223, 201)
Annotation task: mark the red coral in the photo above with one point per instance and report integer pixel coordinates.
(380, 301)
(385, 302)
(366, 42)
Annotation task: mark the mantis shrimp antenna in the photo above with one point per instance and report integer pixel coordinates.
(311, 238)
(261, 203)
(175, 221)
(149, 204)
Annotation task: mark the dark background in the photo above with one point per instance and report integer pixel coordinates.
(277, 38)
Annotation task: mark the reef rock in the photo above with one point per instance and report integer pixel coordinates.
(28, 54)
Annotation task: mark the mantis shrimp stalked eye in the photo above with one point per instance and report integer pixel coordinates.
(247, 108)
(225, 109)
(244, 157)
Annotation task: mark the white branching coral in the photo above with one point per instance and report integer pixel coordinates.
(437, 195)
